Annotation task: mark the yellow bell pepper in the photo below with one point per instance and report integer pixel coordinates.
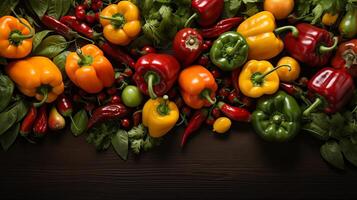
(258, 78)
(288, 74)
(121, 22)
(260, 32)
(160, 116)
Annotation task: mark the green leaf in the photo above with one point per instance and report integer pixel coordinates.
(6, 90)
(3, 61)
(7, 119)
(21, 109)
(120, 142)
(8, 138)
(51, 46)
(337, 126)
(137, 132)
(60, 61)
(231, 8)
(39, 7)
(6, 6)
(37, 39)
(55, 8)
(349, 150)
(136, 145)
(318, 125)
(79, 123)
(66, 5)
(331, 153)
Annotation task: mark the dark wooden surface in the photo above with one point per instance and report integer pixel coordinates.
(240, 166)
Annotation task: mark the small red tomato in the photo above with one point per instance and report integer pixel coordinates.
(115, 99)
(233, 98)
(147, 49)
(90, 17)
(216, 113)
(125, 123)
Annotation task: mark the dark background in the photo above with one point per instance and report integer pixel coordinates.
(238, 166)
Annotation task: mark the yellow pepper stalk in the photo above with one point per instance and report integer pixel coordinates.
(121, 22)
(260, 32)
(160, 116)
(258, 78)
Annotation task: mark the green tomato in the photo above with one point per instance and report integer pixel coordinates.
(131, 96)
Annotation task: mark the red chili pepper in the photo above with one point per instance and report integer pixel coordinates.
(155, 74)
(187, 46)
(80, 12)
(64, 105)
(233, 97)
(207, 12)
(194, 124)
(125, 123)
(235, 113)
(295, 91)
(137, 118)
(80, 27)
(91, 17)
(27, 123)
(234, 78)
(331, 88)
(117, 54)
(108, 112)
(346, 57)
(59, 27)
(221, 27)
(40, 125)
(147, 49)
(313, 46)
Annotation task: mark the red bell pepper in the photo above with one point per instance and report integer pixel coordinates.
(208, 12)
(346, 57)
(313, 46)
(331, 88)
(155, 74)
(187, 46)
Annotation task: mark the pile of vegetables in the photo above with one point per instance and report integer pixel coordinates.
(126, 73)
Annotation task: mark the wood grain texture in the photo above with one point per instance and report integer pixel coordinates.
(239, 165)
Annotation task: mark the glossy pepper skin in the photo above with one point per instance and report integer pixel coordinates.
(234, 113)
(40, 126)
(260, 32)
(187, 46)
(89, 69)
(107, 112)
(160, 116)
(155, 74)
(229, 51)
(197, 86)
(331, 88)
(81, 27)
(258, 78)
(37, 77)
(116, 53)
(346, 57)
(121, 22)
(348, 24)
(28, 121)
(313, 46)
(277, 118)
(207, 11)
(194, 124)
(15, 37)
(221, 27)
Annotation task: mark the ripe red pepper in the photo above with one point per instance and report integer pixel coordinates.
(117, 54)
(27, 123)
(295, 91)
(108, 112)
(80, 12)
(64, 106)
(221, 27)
(208, 12)
(60, 28)
(234, 113)
(187, 46)
(194, 124)
(313, 46)
(80, 27)
(95, 5)
(346, 57)
(85, 14)
(155, 74)
(331, 88)
(40, 125)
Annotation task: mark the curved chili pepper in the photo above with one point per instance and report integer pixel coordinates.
(28, 121)
(108, 112)
(40, 126)
(194, 124)
(80, 27)
(117, 54)
(221, 27)
(235, 113)
(60, 28)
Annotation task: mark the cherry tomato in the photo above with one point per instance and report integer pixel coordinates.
(147, 49)
(115, 99)
(131, 96)
(125, 123)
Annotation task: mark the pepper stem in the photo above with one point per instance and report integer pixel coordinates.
(17, 36)
(190, 20)
(163, 108)
(231, 50)
(118, 20)
(44, 91)
(324, 49)
(293, 29)
(205, 94)
(312, 107)
(84, 60)
(150, 81)
(258, 78)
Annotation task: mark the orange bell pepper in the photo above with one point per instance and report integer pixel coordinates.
(15, 37)
(37, 77)
(197, 86)
(89, 69)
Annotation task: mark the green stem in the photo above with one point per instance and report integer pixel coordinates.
(293, 29)
(260, 77)
(44, 91)
(163, 109)
(231, 50)
(150, 81)
(18, 37)
(324, 49)
(190, 20)
(205, 94)
(84, 60)
(312, 107)
(117, 20)
(74, 124)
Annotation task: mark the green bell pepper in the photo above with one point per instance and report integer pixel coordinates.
(229, 51)
(277, 118)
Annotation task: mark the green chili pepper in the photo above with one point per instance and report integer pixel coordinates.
(348, 25)
(277, 118)
(6, 91)
(80, 122)
(229, 51)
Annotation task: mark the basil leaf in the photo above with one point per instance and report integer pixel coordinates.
(51, 46)
(120, 142)
(349, 150)
(331, 152)
(8, 138)
(66, 5)
(60, 61)
(6, 90)
(79, 123)
(21, 109)
(39, 7)
(231, 8)
(7, 119)
(54, 8)
(37, 39)
(6, 6)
